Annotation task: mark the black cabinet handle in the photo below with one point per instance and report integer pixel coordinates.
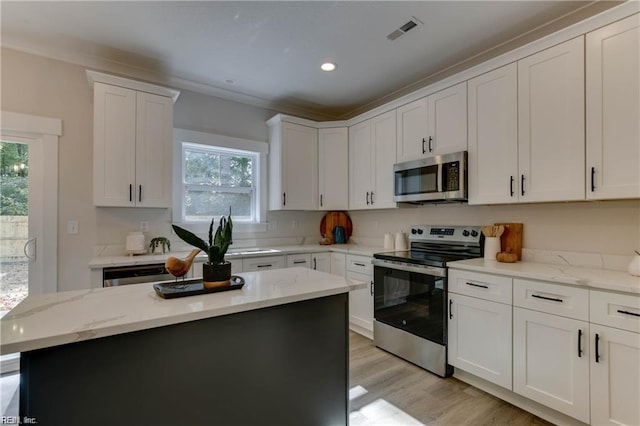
(450, 310)
(593, 179)
(579, 343)
(628, 313)
(367, 198)
(430, 147)
(371, 197)
(130, 192)
(264, 266)
(140, 193)
(320, 200)
(522, 184)
(511, 179)
(371, 288)
(298, 262)
(597, 344)
(359, 264)
(284, 198)
(315, 263)
(424, 151)
(553, 299)
(477, 285)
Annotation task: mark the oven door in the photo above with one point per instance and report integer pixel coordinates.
(411, 298)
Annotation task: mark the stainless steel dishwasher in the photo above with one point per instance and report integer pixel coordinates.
(135, 274)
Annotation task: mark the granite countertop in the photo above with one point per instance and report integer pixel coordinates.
(108, 261)
(592, 278)
(53, 319)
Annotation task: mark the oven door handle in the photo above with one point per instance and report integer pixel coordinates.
(428, 270)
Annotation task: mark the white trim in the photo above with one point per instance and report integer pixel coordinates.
(181, 136)
(94, 76)
(46, 130)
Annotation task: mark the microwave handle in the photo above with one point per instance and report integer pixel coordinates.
(439, 177)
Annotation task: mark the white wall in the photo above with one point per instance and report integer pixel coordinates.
(611, 227)
(50, 88)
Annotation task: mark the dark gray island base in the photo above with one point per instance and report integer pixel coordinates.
(281, 365)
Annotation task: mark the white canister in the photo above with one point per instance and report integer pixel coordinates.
(388, 242)
(135, 243)
(401, 241)
(491, 247)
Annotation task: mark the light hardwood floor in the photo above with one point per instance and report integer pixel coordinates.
(400, 393)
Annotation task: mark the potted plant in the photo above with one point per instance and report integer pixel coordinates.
(216, 272)
(160, 243)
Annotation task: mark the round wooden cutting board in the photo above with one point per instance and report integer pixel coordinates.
(333, 219)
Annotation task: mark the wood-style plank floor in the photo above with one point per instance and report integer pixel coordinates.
(400, 393)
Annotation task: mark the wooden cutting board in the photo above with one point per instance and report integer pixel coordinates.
(511, 238)
(333, 219)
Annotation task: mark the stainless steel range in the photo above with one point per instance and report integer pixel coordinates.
(410, 293)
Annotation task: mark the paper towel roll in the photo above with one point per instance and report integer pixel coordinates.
(401, 241)
(388, 242)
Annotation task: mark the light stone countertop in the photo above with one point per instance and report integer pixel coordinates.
(592, 278)
(53, 319)
(109, 261)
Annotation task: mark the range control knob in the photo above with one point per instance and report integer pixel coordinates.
(465, 233)
(414, 231)
(474, 233)
(420, 231)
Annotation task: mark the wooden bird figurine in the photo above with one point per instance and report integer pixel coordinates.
(179, 267)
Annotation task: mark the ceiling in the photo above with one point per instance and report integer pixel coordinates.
(269, 53)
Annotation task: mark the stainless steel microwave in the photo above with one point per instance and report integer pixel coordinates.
(442, 178)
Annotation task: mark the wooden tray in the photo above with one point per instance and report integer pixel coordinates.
(332, 219)
(173, 289)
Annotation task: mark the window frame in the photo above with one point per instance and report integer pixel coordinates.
(183, 137)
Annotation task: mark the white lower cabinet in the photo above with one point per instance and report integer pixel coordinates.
(302, 260)
(263, 263)
(615, 358)
(551, 361)
(361, 301)
(321, 262)
(339, 264)
(480, 338)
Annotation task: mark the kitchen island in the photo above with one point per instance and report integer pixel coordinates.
(273, 352)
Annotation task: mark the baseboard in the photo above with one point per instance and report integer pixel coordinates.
(513, 398)
(361, 330)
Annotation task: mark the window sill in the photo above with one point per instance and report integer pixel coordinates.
(202, 229)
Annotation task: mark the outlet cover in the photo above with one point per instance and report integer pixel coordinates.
(144, 226)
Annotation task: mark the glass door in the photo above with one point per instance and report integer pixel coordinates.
(16, 246)
(411, 301)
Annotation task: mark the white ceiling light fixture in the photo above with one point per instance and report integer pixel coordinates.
(328, 66)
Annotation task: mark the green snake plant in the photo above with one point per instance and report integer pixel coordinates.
(218, 244)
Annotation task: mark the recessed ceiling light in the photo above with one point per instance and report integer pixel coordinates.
(328, 66)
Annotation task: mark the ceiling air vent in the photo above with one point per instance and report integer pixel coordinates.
(411, 24)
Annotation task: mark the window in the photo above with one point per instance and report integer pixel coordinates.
(215, 174)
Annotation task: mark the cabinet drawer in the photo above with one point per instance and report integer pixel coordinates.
(483, 286)
(615, 310)
(554, 299)
(263, 263)
(361, 264)
(301, 260)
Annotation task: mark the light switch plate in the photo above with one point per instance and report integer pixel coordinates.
(72, 227)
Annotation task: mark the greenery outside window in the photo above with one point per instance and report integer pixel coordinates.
(213, 173)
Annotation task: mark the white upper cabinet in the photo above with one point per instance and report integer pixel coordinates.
(132, 147)
(333, 168)
(293, 166)
(433, 125)
(551, 124)
(613, 110)
(493, 136)
(372, 154)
